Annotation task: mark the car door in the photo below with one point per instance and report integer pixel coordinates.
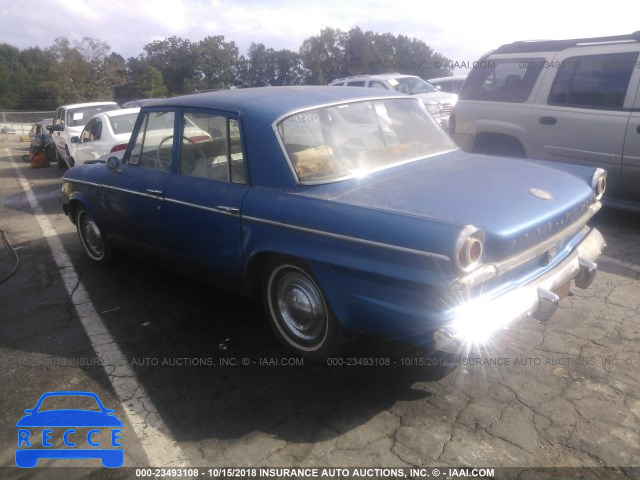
(203, 201)
(583, 110)
(89, 138)
(58, 138)
(631, 153)
(133, 196)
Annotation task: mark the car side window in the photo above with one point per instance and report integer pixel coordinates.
(96, 130)
(593, 81)
(211, 148)
(356, 83)
(510, 80)
(59, 120)
(153, 146)
(85, 136)
(376, 84)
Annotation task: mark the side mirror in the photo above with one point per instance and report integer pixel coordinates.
(57, 127)
(75, 139)
(113, 163)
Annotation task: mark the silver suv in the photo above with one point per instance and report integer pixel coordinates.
(438, 104)
(573, 101)
(69, 122)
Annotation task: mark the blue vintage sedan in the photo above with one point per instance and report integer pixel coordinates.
(345, 211)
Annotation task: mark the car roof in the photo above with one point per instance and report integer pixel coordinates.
(272, 101)
(378, 76)
(87, 104)
(122, 111)
(556, 45)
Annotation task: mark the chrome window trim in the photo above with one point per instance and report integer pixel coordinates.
(490, 270)
(338, 236)
(274, 127)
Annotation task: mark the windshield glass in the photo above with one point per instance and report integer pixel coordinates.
(412, 85)
(78, 117)
(341, 141)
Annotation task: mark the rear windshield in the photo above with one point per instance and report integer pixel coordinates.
(341, 141)
(123, 123)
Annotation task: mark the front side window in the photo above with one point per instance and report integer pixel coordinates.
(335, 142)
(153, 146)
(91, 131)
(376, 84)
(509, 80)
(211, 148)
(594, 81)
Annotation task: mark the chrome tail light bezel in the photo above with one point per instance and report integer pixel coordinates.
(467, 257)
(599, 183)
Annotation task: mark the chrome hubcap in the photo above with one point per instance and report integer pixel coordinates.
(92, 237)
(301, 307)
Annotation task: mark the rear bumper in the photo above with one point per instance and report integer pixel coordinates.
(478, 320)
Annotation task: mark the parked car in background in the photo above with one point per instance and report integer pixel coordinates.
(7, 129)
(439, 104)
(105, 132)
(39, 128)
(449, 84)
(69, 121)
(573, 101)
(346, 210)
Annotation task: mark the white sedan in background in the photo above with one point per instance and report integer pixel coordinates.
(105, 132)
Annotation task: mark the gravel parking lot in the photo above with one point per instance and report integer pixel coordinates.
(198, 379)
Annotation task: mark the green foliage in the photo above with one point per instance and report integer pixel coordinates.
(37, 79)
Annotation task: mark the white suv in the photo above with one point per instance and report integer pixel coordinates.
(69, 122)
(438, 104)
(573, 101)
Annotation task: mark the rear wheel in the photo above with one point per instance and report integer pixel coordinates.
(95, 245)
(298, 311)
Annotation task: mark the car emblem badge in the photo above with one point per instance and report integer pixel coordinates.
(543, 194)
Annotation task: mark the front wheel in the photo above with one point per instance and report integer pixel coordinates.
(298, 311)
(58, 159)
(95, 245)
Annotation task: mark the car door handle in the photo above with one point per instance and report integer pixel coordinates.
(157, 193)
(548, 120)
(231, 210)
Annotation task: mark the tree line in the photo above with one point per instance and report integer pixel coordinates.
(87, 70)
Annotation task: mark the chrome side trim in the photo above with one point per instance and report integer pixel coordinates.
(490, 270)
(82, 182)
(338, 236)
(202, 207)
(133, 192)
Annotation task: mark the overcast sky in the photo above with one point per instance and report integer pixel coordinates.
(460, 30)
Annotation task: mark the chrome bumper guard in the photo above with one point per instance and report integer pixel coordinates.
(538, 298)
